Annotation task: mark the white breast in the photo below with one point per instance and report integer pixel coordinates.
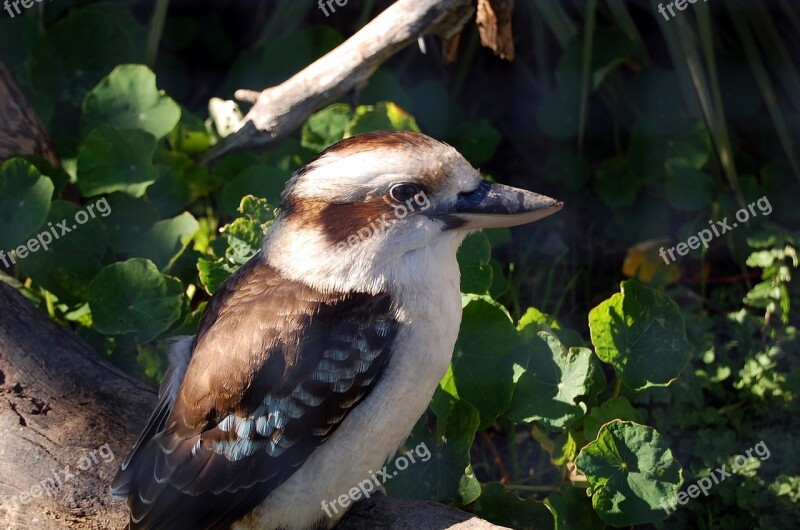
(426, 290)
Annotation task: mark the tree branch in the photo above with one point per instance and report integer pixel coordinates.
(280, 110)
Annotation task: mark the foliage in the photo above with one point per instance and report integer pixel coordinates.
(567, 404)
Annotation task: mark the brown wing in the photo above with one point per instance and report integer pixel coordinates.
(276, 366)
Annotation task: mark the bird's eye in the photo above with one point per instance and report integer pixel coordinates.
(404, 192)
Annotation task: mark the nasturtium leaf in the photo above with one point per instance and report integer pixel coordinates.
(640, 332)
(190, 136)
(24, 201)
(477, 141)
(214, 273)
(688, 188)
(534, 321)
(134, 297)
(70, 260)
(327, 126)
(567, 445)
(127, 98)
(170, 193)
(128, 221)
(79, 49)
(473, 260)
(500, 284)
(613, 409)
(446, 475)
(631, 472)
(610, 48)
(261, 180)
(657, 140)
(116, 160)
(484, 356)
(549, 389)
(385, 86)
(566, 168)
(382, 117)
(166, 240)
(572, 510)
(502, 507)
(616, 183)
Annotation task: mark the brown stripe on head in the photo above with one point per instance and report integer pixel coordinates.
(338, 221)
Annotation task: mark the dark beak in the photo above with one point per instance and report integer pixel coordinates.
(495, 205)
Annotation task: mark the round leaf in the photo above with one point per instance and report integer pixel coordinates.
(73, 254)
(116, 160)
(631, 472)
(24, 200)
(127, 98)
(549, 389)
(641, 333)
(134, 297)
(484, 356)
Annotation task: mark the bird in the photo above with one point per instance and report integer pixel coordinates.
(313, 361)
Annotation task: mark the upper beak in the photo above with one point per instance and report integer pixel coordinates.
(495, 205)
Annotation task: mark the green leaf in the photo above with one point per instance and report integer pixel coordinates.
(214, 273)
(327, 126)
(24, 201)
(567, 445)
(127, 98)
(134, 297)
(641, 333)
(549, 389)
(476, 141)
(484, 356)
(617, 183)
(446, 475)
(71, 260)
(613, 409)
(261, 180)
(657, 140)
(502, 507)
(116, 160)
(382, 117)
(572, 511)
(631, 472)
(167, 239)
(688, 188)
(128, 221)
(534, 321)
(78, 50)
(567, 169)
(191, 135)
(473, 260)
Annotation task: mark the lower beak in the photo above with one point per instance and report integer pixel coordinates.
(495, 205)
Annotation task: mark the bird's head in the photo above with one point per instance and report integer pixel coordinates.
(380, 207)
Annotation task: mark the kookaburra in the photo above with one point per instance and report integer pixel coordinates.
(313, 361)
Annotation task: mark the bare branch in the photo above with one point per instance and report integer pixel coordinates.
(280, 110)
